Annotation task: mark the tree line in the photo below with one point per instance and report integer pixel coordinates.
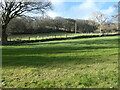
(12, 20)
(32, 25)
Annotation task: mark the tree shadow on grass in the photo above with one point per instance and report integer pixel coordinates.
(50, 55)
(39, 61)
(85, 41)
(53, 50)
(34, 57)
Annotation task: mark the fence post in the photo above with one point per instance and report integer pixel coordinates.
(29, 38)
(60, 36)
(36, 38)
(66, 35)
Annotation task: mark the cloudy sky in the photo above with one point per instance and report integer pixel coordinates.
(81, 9)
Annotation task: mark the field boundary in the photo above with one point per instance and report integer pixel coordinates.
(54, 39)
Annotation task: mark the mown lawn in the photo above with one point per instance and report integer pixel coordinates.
(78, 63)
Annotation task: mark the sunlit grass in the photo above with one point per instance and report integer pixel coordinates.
(78, 63)
(41, 36)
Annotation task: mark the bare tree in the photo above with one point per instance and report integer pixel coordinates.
(117, 7)
(99, 18)
(116, 17)
(12, 9)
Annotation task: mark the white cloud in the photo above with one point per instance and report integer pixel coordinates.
(109, 11)
(82, 10)
(79, 11)
(84, 0)
(57, 1)
(52, 14)
(57, 6)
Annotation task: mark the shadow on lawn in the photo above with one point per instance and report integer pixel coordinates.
(92, 41)
(32, 56)
(53, 50)
(70, 52)
(38, 61)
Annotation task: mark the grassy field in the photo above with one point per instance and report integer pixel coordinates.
(78, 63)
(47, 36)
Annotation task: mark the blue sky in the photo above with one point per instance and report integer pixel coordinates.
(80, 10)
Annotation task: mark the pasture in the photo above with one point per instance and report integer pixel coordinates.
(40, 36)
(77, 63)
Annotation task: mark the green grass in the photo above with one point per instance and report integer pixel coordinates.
(78, 63)
(47, 36)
